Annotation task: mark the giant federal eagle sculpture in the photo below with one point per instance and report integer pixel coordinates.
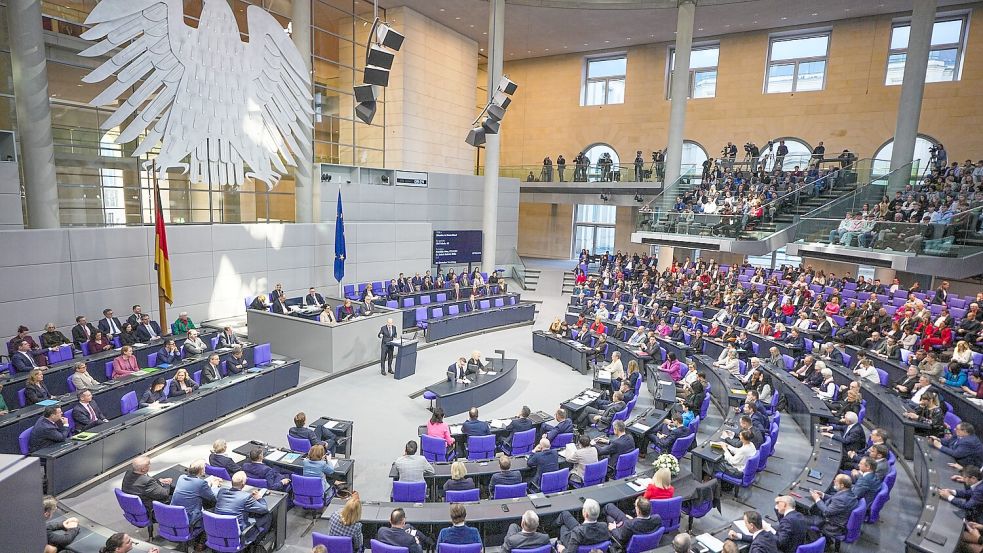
(232, 109)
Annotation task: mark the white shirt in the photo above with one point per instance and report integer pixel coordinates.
(917, 396)
(870, 373)
(739, 458)
(802, 324)
(616, 368)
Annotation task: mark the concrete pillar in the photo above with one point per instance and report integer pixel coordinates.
(496, 49)
(300, 19)
(885, 274)
(665, 258)
(680, 88)
(912, 88)
(37, 151)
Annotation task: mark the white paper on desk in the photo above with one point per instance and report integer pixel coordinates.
(456, 429)
(499, 423)
(710, 542)
(333, 463)
(604, 374)
(742, 528)
(666, 382)
(641, 427)
(139, 345)
(276, 455)
(490, 372)
(639, 484)
(976, 401)
(331, 424)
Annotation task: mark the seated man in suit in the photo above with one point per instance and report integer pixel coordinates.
(506, 476)
(519, 424)
(211, 371)
(322, 435)
(970, 498)
(563, 425)
(401, 534)
(623, 527)
(473, 426)
(543, 459)
(793, 528)
(237, 362)
(81, 378)
(255, 468)
(313, 298)
(744, 423)
(603, 417)
(109, 324)
(87, 413)
(136, 316)
(137, 482)
(250, 509)
(228, 338)
(573, 535)
(148, 330)
(833, 510)
(23, 359)
(192, 491)
(866, 484)
(525, 536)
(458, 371)
(218, 458)
(194, 345)
(51, 428)
(82, 331)
(615, 446)
(627, 394)
(852, 435)
(664, 435)
(761, 540)
(459, 533)
(963, 446)
(60, 533)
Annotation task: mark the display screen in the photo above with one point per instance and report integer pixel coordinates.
(456, 246)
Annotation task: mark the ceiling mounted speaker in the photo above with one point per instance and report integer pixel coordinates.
(365, 111)
(476, 137)
(365, 93)
(376, 75)
(491, 126)
(389, 37)
(507, 86)
(379, 57)
(495, 112)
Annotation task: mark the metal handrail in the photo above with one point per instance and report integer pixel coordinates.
(853, 194)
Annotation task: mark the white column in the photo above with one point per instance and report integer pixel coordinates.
(912, 88)
(496, 47)
(30, 75)
(300, 20)
(680, 88)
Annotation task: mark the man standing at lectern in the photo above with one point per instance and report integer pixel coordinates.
(388, 334)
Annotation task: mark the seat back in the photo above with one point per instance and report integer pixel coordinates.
(751, 469)
(681, 446)
(308, 491)
(438, 312)
(669, 510)
(639, 543)
(109, 369)
(694, 425)
(522, 442)
(218, 472)
(300, 445)
(334, 544)
(172, 522)
(378, 547)
(882, 375)
(507, 491)
(555, 481)
(817, 546)
(457, 496)
(71, 385)
(433, 449)
(24, 441)
(878, 503)
(453, 310)
(69, 415)
(594, 473)
(222, 532)
(167, 387)
(421, 315)
(133, 509)
(459, 548)
(262, 355)
(86, 350)
(411, 492)
(392, 304)
(256, 482)
(705, 406)
(541, 549)
(128, 403)
(855, 522)
(603, 546)
(481, 447)
(561, 440)
(409, 302)
(22, 397)
(499, 302)
(152, 359)
(626, 464)
(483, 304)
(214, 342)
(764, 452)
(951, 420)
(441, 297)
(349, 291)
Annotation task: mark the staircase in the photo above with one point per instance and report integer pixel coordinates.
(568, 282)
(805, 205)
(530, 279)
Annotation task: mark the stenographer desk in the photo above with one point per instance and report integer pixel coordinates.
(481, 319)
(107, 396)
(124, 437)
(569, 352)
(295, 465)
(454, 397)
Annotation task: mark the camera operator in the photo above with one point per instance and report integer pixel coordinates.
(728, 154)
(940, 158)
(659, 164)
(752, 153)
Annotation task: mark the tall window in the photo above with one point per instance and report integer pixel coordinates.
(797, 64)
(702, 71)
(605, 82)
(594, 228)
(922, 155)
(944, 55)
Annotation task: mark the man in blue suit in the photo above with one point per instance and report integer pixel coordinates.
(851, 434)
(401, 534)
(22, 359)
(473, 426)
(563, 425)
(322, 435)
(191, 491)
(964, 446)
(969, 499)
(866, 483)
(147, 330)
(519, 424)
(506, 476)
(834, 509)
(50, 429)
(760, 540)
(543, 459)
(255, 468)
(614, 447)
(87, 413)
(623, 526)
(459, 533)
(793, 528)
(664, 435)
(248, 508)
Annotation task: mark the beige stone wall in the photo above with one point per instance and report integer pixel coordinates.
(855, 110)
(430, 98)
(545, 230)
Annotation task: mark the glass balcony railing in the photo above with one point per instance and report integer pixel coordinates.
(617, 174)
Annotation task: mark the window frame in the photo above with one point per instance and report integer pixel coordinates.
(796, 62)
(959, 45)
(670, 59)
(587, 80)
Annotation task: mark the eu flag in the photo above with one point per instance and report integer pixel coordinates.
(339, 243)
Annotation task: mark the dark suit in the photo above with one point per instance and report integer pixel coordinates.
(515, 538)
(23, 361)
(144, 334)
(971, 501)
(764, 542)
(224, 462)
(966, 451)
(34, 393)
(190, 492)
(241, 504)
(312, 436)
(105, 327)
(227, 340)
(210, 373)
(58, 536)
(262, 472)
(387, 334)
(543, 462)
(398, 537)
(853, 438)
(475, 428)
(616, 447)
(518, 424)
(793, 531)
(671, 435)
(46, 433)
(79, 333)
(504, 478)
(573, 535)
(236, 366)
(175, 388)
(563, 427)
(277, 305)
(148, 489)
(83, 420)
(628, 527)
(835, 510)
(315, 299)
(866, 487)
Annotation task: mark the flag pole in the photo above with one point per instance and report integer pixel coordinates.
(159, 212)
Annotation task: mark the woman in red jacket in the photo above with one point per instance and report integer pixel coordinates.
(937, 336)
(661, 485)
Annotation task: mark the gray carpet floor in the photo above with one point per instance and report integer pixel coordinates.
(386, 417)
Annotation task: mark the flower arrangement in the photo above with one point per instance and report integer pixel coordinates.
(668, 461)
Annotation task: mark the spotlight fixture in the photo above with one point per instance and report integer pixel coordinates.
(489, 121)
(383, 42)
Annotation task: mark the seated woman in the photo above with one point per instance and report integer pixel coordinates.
(459, 480)
(218, 458)
(34, 389)
(155, 393)
(555, 326)
(319, 463)
(661, 485)
(126, 364)
(98, 342)
(954, 376)
(347, 522)
(827, 390)
(128, 336)
(929, 412)
(327, 315)
(437, 428)
(962, 355)
(182, 384)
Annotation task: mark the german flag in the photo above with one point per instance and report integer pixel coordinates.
(162, 263)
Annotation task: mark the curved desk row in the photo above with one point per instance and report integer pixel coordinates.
(940, 524)
(455, 398)
(287, 461)
(122, 438)
(408, 315)
(431, 294)
(569, 352)
(482, 319)
(107, 396)
(498, 429)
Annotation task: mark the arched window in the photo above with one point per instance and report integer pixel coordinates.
(798, 153)
(594, 154)
(693, 157)
(882, 158)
